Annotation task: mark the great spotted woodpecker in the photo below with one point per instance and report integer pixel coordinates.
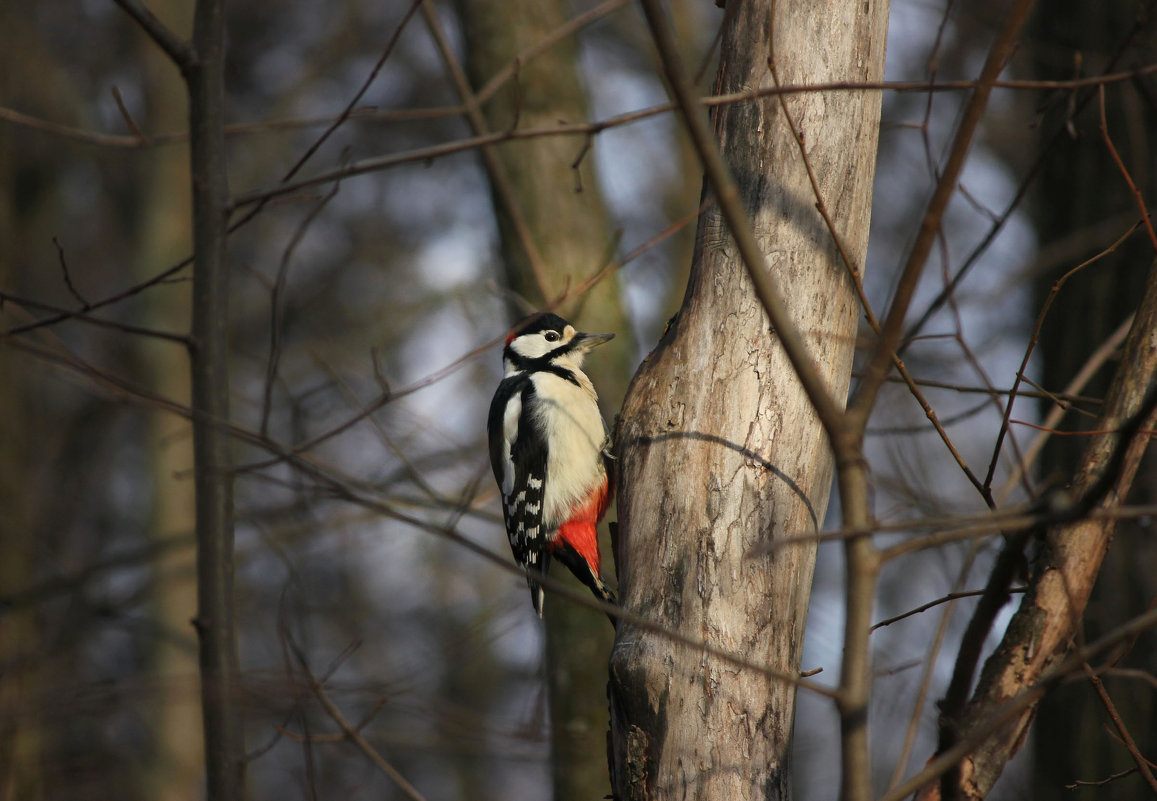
(550, 451)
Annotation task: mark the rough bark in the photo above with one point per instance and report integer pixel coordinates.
(720, 451)
(539, 193)
(1051, 613)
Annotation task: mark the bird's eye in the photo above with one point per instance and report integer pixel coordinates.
(551, 336)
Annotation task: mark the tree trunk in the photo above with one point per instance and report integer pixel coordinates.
(177, 758)
(32, 433)
(720, 451)
(220, 697)
(1049, 617)
(1080, 188)
(22, 734)
(555, 234)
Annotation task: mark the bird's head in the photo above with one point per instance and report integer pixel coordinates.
(547, 337)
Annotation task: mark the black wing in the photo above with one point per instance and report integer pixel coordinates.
(518, 458)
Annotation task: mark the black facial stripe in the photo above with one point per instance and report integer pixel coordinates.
(543, 363)
(561, 372)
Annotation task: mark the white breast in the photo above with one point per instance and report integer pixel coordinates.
(568, 416)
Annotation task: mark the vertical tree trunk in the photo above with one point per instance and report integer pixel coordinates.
(205, 76)
(31, 435)
(177, 758)
(720, 451)
(1081, 187)
(22, 735)
(540, 195)
(1051, 614)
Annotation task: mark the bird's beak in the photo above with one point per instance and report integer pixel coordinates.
(584, 342)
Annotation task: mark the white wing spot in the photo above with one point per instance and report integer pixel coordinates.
(510, 420)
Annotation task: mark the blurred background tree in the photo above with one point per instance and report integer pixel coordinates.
(366, 316)
(1084, 203)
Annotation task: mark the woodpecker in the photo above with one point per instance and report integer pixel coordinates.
(550, 451)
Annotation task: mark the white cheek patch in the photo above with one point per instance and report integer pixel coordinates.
(531, 346)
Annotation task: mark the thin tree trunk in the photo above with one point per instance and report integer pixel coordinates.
(555, 234)
(720, 450)
(177, 753)
(204, 74)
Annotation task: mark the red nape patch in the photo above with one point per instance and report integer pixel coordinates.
(510, 337)
(580, 531)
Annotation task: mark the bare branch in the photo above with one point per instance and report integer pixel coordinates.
(1124, 171)
(864, 398)
(499, 179)
(1122, 730)
(179, 51)
(353, 733)
(1015, 706)
(1074, 550)
(1026, 181)
(952, 596)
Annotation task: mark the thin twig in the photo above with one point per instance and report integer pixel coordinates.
(127, 117)
(952, 596)
(1033, 340)
(1112, 777)
(59, 314)
(351, 732)
(1124, 171)
(440, 112)
(84, 304)
(1026, 182)
(179, 51)
(914, 720)
(494, 167)
(342, 117)
(1122, 730)
(863, 400)
(62, 315)
(1016, 706)
(276, 305)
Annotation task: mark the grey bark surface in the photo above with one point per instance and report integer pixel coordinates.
(720, 451)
